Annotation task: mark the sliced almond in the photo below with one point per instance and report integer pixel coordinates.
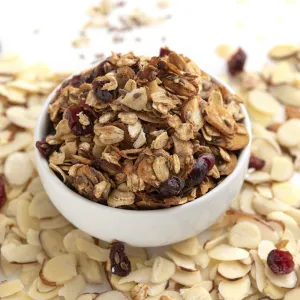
(274, 292)
(17, 296)
(260, 276)
(33, 237)
(92, 250)
(41, 207)
(287, 193)
(187, 278)
(265, 191)
(111, 295)
(286, 94)
(246, 197)
(162, 270)
(157, 288)
(226, 252)
(197, 293)
(292, 294)
(59, 270)
(138, 276)
(285, 281)
(35, 186)
(201, 259)
(264, 248)
(18, 168)
(52, 243)
(20, 141)
(166, 295)
(283, 51)
(125, 287)
(35, 294)
(233, 269)
(288, 134)
(235, 290)
(244, 235)
(190, 246)
(24, 221)
(20, 254)
(263, 102)
(258, 177)
(72, 288)
(282, 168)
(19, 116)
(70, 238)
(29, 273)
(266, 231)
(181, 261)
(42, 287)
(54, 223)
(90, 269)
(215, 242)
(10, 287)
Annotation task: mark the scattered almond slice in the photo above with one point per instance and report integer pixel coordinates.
(41, 207)
(258, 177)
(283, 51)
(18, 115)
(187, 278)
(233, 270)
(282, 168)
(72, 288)
(35, 294)
(187, 247)
(90, 269)
(286, 94)
(201, 259)
(20, 254)
(92, 250)
(292, 294)
(245, 199)
(286, 281)
(138, 276)
(181, 261)
(162, 270)
(9, 288)
(235, 290)
(274, 292)
(287, 193)
(156, 288)
(52, 243)
(125, 287)
(259, 271)
(263, 102)
(245, 235)
(111, 295)
(288, 134)
(197, 293)
(70, 238)
(215, 242)
(59, 270)
(54, 223)
(226, 252)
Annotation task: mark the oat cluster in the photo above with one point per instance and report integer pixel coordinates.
(144, 133)
(252, 252)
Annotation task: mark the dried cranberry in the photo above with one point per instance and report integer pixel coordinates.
(164, 52)
(46, 149)
(77, 80)
(256, 163)
(120, 264)
(201, 167)
(72, 115)
(101, 164)
(280, 262)
(171, 187)
(104, 96)
(236, 62)
(2, 192)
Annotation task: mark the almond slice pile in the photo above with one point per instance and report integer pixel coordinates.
(53, 260)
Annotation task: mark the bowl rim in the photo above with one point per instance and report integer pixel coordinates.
(42, 163)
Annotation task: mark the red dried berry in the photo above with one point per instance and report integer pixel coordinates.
(120, 263)
(171, 187)
(256, 163)
(72, 115)
(2, 192)
(280, 262)
(46, 149)
(164, 52)
(236, 62)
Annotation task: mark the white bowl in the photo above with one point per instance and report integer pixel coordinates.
(141, 228)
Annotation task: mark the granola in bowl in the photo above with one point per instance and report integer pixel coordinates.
(144, 133)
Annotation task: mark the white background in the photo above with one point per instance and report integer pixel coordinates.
(195, 29)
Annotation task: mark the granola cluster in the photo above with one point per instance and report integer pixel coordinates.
(144, 133)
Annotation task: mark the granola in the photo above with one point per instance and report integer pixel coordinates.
(161, 122)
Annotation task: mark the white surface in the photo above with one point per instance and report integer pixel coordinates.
(195, 29)
(140, 228)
